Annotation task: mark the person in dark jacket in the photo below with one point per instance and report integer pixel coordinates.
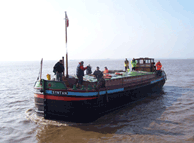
(80, 73)
(126, 63)
(88, 70)
(58, 69)
(99, 75)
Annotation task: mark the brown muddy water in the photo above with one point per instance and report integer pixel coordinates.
(165, 117)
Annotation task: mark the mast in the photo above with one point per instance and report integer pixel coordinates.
(41, 68)
(63, 65)
(66, 25)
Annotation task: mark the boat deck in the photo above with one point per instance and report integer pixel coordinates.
(114, 76)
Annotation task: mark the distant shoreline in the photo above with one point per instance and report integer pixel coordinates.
(96, 59)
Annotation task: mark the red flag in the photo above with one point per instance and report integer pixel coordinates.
(67, 22)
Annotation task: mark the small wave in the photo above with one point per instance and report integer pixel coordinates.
(31, 115)
(191, 138)
(18, 101)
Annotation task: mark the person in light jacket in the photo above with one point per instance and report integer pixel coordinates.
(133, 64)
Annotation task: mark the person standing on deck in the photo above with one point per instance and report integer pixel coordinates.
(99, 75)
(89, 70)
(105, 71)
(80, 73)
(158, 66)
(126, 63)
(133, 64)
(58, 69)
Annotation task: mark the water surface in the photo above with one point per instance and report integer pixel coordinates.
(167, 116)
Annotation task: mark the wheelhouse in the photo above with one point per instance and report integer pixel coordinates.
(145, 64)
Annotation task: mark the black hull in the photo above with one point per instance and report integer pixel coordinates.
(89, 110)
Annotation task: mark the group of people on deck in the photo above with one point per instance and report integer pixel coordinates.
(80, 72)
(133, 64)
(58, 69)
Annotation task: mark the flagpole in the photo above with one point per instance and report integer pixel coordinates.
(41, 68)
(66, 25)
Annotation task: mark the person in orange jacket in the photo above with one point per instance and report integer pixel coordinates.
(105, 71)
(158, 66)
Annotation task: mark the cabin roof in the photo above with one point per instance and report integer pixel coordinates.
(146, 58)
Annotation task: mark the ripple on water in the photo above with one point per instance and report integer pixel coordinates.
(31, 115)
(169, 118)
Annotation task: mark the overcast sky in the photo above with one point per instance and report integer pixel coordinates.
(98, 29)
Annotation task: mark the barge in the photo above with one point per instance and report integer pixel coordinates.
(62, 100)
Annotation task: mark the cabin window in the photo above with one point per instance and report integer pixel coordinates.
(147, 61)
(141, 61)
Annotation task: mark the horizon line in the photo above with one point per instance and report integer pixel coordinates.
(92, 59)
